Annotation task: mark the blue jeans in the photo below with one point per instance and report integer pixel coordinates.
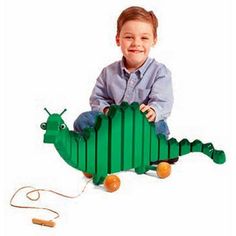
(87, 119)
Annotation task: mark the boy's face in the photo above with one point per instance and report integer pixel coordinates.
(135, 40)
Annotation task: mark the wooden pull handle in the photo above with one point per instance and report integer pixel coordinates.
(48, 223)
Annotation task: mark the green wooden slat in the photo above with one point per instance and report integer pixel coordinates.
(102, 145)
(196, 146)
(184, 147)
(91, 151)
(163, 148)
(115, 139)
(127, 138)
(81, 153)
(219, 157)
(68, 148)
(154, 144)
(63, 146)
(74, 149)
(173, 148)
(208, 149)
(138, 137)
(146, 141)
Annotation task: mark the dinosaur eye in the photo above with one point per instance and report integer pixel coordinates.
(62, 126)
(43, 126)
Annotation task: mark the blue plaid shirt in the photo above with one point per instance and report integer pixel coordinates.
(150, 84)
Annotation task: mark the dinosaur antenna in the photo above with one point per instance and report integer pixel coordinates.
(63, 112)
(47, 111)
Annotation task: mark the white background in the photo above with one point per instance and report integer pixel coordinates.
(51, 54)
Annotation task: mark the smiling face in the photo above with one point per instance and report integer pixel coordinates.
(135, 40)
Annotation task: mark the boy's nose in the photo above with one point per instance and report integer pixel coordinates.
(136, 42)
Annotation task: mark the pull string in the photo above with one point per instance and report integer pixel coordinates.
(49, 223)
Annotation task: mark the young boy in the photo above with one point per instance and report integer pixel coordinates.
(135, 78)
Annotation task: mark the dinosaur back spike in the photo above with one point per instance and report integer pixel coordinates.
(196, 146)
(173, 148)
(184, 147)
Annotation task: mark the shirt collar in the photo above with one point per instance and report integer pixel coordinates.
(140, 71)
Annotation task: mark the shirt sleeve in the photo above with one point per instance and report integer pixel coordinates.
(161, 96)
(99, 98)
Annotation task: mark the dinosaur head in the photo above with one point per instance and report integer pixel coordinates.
(55, 127)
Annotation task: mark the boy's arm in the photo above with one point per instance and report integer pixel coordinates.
(161, 97)
(99, 99)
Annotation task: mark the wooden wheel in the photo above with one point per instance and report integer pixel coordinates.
(87, 175)
(112, 183)
(163, 170)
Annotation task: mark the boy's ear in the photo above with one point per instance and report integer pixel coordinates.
(117, 40)
(154, 42)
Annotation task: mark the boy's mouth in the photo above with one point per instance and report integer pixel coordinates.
(135, 51)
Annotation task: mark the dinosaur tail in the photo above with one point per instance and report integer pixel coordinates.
(208, 149)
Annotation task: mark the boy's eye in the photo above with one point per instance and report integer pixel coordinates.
(145, 38)
(128, 37)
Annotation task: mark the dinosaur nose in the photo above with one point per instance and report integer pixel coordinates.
(49, 138)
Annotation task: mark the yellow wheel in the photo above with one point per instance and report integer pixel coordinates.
(112, 183)
(163, 170)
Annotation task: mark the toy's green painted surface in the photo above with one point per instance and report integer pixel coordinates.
(122, 140)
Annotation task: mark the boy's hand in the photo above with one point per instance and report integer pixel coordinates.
(151, 114)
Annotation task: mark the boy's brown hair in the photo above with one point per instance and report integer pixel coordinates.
(137, 13)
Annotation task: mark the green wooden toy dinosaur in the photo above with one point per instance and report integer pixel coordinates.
(119, 141)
